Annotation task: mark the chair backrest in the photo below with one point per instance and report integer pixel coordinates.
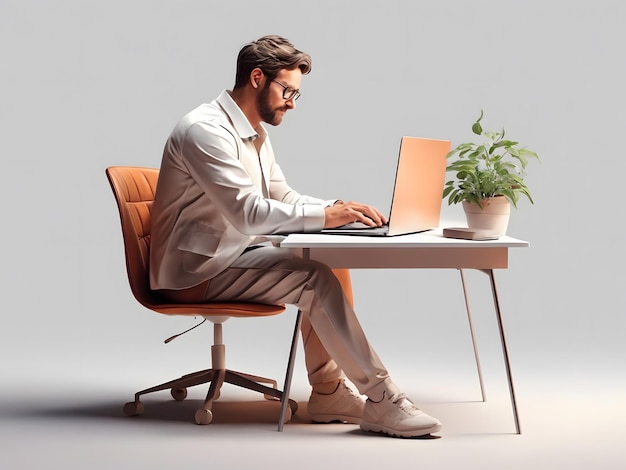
(134, 188)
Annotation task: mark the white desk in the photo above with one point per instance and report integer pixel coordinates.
(424, 250)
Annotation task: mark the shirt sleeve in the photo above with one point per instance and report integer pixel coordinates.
(211, 155)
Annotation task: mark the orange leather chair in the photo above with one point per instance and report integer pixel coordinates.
(133, 188)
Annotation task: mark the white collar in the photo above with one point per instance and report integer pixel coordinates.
(237, 117)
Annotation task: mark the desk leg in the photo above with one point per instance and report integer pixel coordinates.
(471, 326)
(284, 401)
(505, 351)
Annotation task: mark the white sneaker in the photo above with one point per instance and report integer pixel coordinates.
(343, 405)
(396, 415)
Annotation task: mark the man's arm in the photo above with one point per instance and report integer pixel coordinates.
(210, 154)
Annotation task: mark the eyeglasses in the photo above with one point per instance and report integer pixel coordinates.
(288, 92)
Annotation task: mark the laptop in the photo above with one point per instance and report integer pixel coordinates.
(417, 192)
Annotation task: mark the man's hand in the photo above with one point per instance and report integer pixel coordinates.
(347, 212)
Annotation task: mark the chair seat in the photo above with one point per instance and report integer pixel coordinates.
(229, 309)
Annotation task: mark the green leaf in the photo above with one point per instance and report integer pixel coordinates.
(477, 128)
(528, 153)
(505, 143)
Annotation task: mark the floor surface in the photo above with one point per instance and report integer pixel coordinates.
(75, 426)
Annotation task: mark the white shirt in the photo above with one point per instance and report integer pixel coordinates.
(216, 194)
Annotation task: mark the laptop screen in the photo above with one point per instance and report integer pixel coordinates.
(418, 188)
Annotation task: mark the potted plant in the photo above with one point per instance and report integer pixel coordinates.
(488, 178)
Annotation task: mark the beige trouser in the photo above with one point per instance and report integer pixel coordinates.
(334, 342)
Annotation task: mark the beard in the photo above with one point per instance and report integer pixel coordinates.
(268, 114)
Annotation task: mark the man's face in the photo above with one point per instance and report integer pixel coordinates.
(271, 104)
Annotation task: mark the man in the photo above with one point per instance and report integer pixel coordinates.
(219, 190)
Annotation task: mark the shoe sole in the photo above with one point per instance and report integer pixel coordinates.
(396, 433)
(327, 419)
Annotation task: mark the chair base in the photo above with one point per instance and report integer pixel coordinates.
(216, 377)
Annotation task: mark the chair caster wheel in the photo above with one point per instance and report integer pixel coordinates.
(133, 408)
(179, 394)
(204, 416)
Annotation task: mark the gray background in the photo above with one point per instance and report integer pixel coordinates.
(86, 85)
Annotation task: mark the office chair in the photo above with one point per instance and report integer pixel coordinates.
(133, 188)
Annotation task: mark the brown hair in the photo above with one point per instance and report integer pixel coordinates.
(271, 54)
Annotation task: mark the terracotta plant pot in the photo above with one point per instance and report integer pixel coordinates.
(493, 215)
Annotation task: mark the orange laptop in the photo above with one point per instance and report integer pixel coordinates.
(417, 192)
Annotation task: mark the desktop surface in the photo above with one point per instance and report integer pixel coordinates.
(429, 239)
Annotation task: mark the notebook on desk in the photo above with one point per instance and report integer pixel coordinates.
(417, 191)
